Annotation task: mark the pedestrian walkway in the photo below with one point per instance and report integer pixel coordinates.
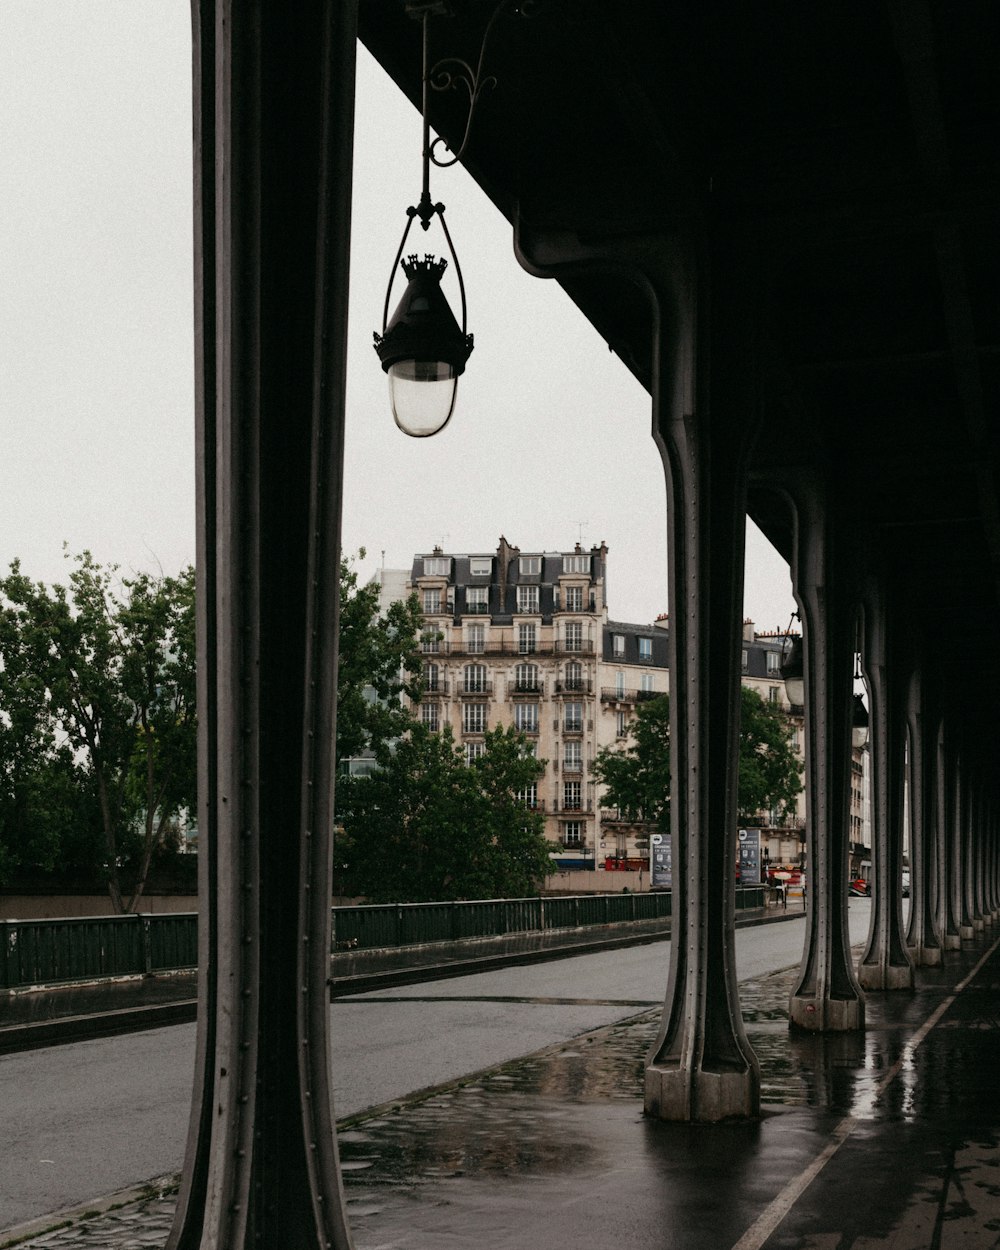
(884, 1139)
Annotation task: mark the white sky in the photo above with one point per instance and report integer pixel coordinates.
(550, 434)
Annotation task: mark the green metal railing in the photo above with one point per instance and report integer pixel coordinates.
(55, 952)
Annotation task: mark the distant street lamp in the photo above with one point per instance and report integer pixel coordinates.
(793, 671)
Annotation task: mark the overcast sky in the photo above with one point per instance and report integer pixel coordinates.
(550, 441)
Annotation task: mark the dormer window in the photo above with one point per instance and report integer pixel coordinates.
(530, 566)
(618, 644)
(645, 649)
(480, 567)
(576, 564)
(437, 566)
(527, 598)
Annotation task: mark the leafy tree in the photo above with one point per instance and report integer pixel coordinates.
(638, 777)
(97, 705)
(425, 826)
(379, 663)
(770, 773)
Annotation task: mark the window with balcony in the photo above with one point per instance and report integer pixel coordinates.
(529, 565)
(473, 752)
(574, 675)
(475, 678)
(773, 662)
(527, 598)
(620, 685)
(572, 832)
(646, 683)
(572, 757)
(430, 716)
(477, 599)
(475, 639)
(574, 598)
(645, 649)
(526, 678)
(474, 718)
(574, 636)
(480, 566)
(432, 602)
(573, 718)
(621, 724)
(527, 640)
(432, 678)
(437, 566)
(576, 564)
(571, 796)
(526, 717)
(773, 694)
(430, 642)
(617, 644)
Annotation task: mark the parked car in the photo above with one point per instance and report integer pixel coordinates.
(859, 887)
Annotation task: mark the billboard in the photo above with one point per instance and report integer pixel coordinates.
(748, 856)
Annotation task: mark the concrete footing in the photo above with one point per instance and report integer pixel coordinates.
(830, 1015)
(966, 932)
(886, 976)
(952, 941)
(926, 956)
(701, 1097)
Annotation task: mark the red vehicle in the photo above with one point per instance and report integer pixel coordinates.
(859, 887)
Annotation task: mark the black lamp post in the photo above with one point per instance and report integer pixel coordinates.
(423, 348)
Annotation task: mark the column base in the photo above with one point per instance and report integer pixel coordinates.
(830, 1015)
(979, 924)
(925, 956)
(966, 932)
(701, 1097)
(886, 977)
(953, 941)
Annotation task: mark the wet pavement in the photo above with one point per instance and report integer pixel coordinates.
(884, 1139)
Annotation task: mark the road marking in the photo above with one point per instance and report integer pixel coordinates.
(772, 1215)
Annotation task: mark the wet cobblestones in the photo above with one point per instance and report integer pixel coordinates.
(518, 1119)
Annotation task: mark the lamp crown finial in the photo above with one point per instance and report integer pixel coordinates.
(429, 264)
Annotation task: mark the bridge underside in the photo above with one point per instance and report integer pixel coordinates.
(784, 221)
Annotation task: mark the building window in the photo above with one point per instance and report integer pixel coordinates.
(745, 660)
(429, 716)
(529, 565)
(474, 718)
(574, 636)
(773, 662)
(526, 717)
(617, 644)
(430, 643)
(438, 566)
(473, 752)
(646, 683)
(571, 796)
(574, 675)
(576, 564)
(529, 796)
(620, 685)
(646, 649)
(475, 678)
(526, 639)
(773, 693)
(574, 598)
(572, 758)
(526, 678)
(476, 599)
(480, 566)
(621, 724)
(527, 598)
(432, 602)
(475, 636)
(573, 720)
(432, 677)
(572, 833)
(795, 737)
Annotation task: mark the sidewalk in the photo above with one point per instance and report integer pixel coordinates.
(885, 1139)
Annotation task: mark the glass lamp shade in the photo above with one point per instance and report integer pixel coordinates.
(422, 393)
(793, 673)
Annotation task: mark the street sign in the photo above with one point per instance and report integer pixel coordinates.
(661, 867)
(748, 860)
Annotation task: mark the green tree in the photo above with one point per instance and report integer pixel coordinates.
(379, 664)
(425, 826)
(637, 776)
(97, 701)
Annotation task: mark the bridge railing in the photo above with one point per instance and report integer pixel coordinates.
(52, 952)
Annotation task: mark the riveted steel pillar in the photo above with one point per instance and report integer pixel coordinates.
(951, 903)
(963, 833)
(886, 963)
(826, 997)
(274, 92)
(705, 416)
(922, 938)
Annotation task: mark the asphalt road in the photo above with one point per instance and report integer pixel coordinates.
(83, 1120)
